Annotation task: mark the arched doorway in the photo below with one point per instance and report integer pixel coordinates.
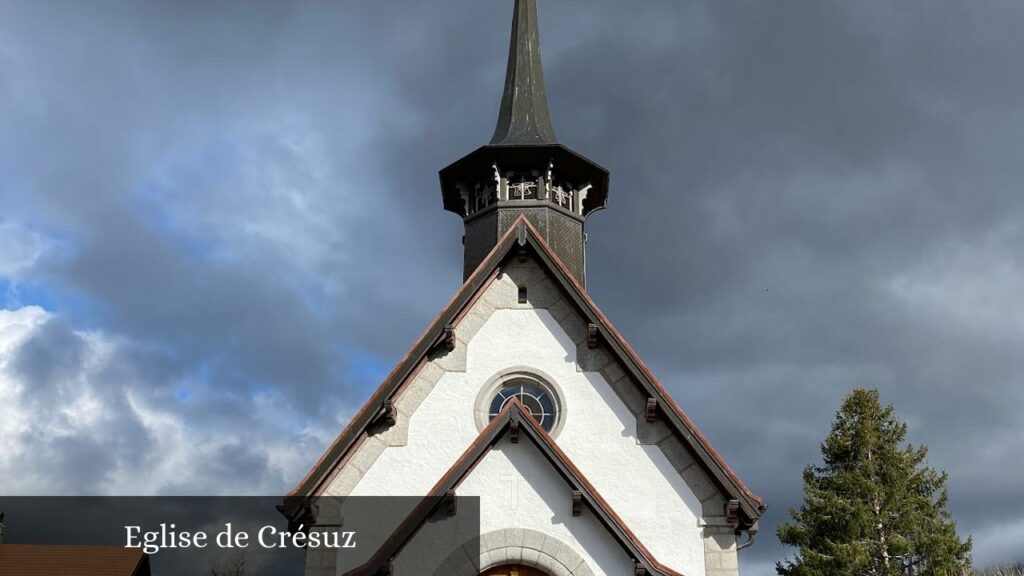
(513, 570)
(499, 552)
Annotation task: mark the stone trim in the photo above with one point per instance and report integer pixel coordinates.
(502, 293)
(482, 403)
(515, 413)
(524, 236)
(515, 546)
(720, 551)
(363, 456)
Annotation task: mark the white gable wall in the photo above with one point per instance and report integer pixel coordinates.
(599, 434)
(520, 490)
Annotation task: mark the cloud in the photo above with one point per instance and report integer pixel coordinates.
(98, 405)
(805, 198)
(21, 249)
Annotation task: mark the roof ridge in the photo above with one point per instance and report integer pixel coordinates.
(476, 276)
(523, 232)
(641, 365)
(490, 436)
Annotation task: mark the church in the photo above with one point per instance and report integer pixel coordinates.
(523, 394)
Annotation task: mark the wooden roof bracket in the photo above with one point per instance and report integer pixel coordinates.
(451, 502)
(387, 416)
(593, 336)
(651, 413)
(732, 510)
(446, 340)
(513, 428)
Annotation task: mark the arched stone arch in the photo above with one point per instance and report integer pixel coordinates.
(515, 546)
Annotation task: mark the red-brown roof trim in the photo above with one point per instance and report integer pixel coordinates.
(50, 560)
(523, 233)
(514, 412)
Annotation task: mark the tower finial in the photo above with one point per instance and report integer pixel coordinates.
(524, 171)
(524, 117)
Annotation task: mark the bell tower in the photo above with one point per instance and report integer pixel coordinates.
(524, 170)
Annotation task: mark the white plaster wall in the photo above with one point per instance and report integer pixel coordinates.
(518, 488)
(598, 435)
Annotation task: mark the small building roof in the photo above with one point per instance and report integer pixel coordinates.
(52, 560)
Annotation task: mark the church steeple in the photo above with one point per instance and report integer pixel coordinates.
(524, 170)
(524, 117)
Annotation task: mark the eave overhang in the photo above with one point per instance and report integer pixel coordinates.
(523, 234)
(513, 416)
(478, 166)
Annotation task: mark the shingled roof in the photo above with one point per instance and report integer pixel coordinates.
(523, 236)
(45, 560)
(524, 117)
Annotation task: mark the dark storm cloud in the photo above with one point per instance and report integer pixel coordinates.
(49, 368)
(806, 197)
(810, 177)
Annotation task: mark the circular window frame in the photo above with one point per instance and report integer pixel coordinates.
(535, 377)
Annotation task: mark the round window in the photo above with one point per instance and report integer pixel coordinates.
(533, 397)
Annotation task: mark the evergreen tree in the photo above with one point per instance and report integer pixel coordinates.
(874, 508)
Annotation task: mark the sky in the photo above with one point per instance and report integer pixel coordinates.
(220, 226)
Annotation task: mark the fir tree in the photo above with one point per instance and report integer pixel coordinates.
(874, 508)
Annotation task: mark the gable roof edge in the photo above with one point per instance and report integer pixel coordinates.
(751, 503)
(405, 368)
(489, 437)
(523, 233)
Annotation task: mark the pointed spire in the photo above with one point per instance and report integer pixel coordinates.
(524, 117)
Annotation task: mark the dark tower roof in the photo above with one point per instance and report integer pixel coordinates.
(524, 117)
(524, 170)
